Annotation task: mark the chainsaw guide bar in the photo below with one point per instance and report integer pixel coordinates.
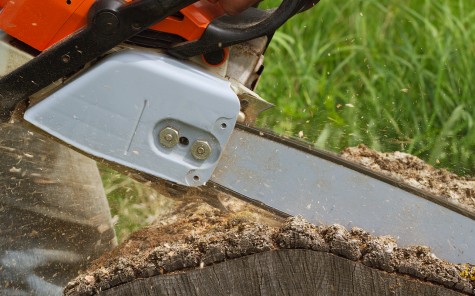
(294, 178)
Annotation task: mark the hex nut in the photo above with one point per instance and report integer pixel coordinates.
(169, 137)
(201, 150)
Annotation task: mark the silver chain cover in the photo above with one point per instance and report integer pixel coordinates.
(145, 111)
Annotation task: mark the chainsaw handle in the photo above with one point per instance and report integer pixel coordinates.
(229, 30)
(111, 22)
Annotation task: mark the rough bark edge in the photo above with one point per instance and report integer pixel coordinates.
(235, 238)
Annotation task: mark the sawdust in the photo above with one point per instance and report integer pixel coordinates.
(415, 172)
(207, 236)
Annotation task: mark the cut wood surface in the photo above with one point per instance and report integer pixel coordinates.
(203, 250)
(282, 272)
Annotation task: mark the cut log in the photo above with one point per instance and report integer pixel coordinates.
(281, 272)
(204, 251)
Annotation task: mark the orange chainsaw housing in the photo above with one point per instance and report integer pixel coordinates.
(42, 23)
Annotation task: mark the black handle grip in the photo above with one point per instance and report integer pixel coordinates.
(250, 24)
(111, 22)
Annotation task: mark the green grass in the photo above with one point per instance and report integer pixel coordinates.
(395, 75)
(132, 204)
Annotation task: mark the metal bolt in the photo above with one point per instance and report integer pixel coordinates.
(65, 58)
(169, 137)
(241, 117)
(201, 150)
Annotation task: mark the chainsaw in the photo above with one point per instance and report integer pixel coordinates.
(164, 90)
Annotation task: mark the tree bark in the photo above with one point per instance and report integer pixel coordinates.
(201, 250)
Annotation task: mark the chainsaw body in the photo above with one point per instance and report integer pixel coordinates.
(171, 119)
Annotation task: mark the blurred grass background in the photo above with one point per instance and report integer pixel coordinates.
(133, 204)
(394, 75)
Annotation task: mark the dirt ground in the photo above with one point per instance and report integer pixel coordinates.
(198, 234)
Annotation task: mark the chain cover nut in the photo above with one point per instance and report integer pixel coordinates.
(169, 137)
(200, 150)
